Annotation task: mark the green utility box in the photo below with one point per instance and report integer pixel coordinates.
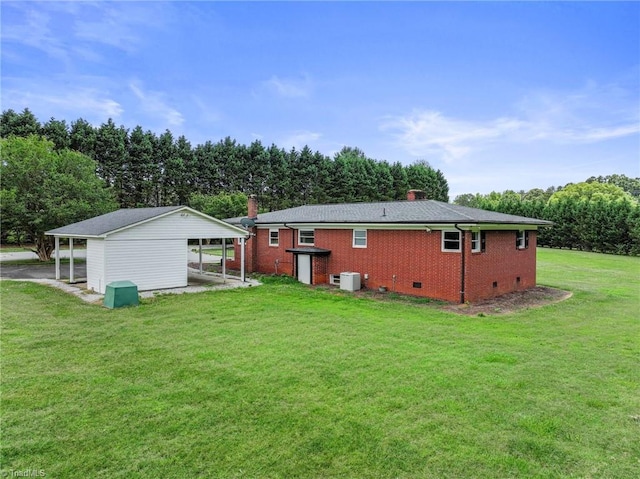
(121, 293)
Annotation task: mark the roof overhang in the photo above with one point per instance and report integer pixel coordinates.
(234, 231)
(309, 250)
(406, 226)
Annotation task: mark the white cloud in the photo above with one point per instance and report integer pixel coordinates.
(154, 103)
(299, 139)
(111, 27)
(430, 132)
(34, 32)
(71, 30)
(92, 104)
(289, 87)
(592, 114)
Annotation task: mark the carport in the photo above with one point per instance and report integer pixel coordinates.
(145, 245)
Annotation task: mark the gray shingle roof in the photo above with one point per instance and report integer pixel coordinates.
(392, 212)
(115, 220)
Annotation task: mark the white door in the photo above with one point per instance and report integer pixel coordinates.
(304, 268)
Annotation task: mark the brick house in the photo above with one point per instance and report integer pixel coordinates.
(418, 247)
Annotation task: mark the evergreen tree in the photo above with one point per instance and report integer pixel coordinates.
(137, 178)
(278, 186)
(207, 179)
(57, 132)
(231, 158)
(384, 181)
(182, 169)
(110, 152)
(421, 176)
(82, 137)
(322, 169)
(400, 181)
(257, 170)
(165, 159)
(18, 124)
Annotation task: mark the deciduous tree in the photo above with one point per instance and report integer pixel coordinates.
(42, 189)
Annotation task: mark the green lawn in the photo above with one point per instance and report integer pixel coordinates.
(282, 381)
(215, 251)
(30, 248)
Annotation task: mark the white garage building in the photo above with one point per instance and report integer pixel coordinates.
(147, 246)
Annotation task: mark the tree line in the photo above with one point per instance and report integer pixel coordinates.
(44, 183)
(601, 214)
(145, 169)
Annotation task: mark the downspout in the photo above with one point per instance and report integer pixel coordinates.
(462, 269)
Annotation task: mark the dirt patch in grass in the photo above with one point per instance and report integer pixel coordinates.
(510, 302)
(507, 303)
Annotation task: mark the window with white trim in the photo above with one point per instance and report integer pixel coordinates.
(359, 238)
(451, 240)
(274, 236)
(522, 239)
(478, 241)
(306, 237)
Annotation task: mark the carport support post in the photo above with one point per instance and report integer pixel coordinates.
(71, 275)
(200, 253)
(242, 242)
(57, 242)
(224, 259)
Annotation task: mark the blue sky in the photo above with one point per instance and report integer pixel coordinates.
(506, 95)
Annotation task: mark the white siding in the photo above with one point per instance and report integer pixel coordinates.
(178, 225)
(150, 264)
(95, 265)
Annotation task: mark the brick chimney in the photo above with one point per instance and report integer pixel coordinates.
(252, 207)
(414, 195)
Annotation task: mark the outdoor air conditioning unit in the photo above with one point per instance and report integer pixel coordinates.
(350, 281)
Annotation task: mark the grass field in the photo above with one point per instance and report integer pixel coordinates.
(30, 248)
(282, 381)
(215, 251)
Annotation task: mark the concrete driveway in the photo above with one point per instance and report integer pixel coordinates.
(10, 270)
(41, 271)
(46, 273)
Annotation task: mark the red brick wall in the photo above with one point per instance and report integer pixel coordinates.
(502, 263)
(395, 259)
(260, 257)
(398, 259)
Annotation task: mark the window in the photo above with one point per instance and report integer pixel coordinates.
(274, 237)
(306, 237)
(522, 239)
(478, 241)
(359, 238)
(451, 241)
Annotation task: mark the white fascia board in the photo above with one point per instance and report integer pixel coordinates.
(503, 227)
(403, 226)
(75, 236)
(240, 232)
(345, 226)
